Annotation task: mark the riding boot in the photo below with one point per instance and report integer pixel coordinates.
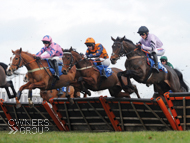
(104, 73)
(155, 66)
(56, 75)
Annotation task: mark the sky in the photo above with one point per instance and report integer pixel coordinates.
(23, 23)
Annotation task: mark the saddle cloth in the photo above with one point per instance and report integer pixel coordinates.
(160, 66)
(108, 71)
(64, 89)
(52, 69)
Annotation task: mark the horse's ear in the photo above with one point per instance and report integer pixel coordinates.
(62, 49)
(13, 52)
(123, 38)
(112, 38)
(20, 49)
(71, 49)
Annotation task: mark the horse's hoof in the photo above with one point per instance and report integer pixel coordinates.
(31, 105)
(71, 101)
(18, 105)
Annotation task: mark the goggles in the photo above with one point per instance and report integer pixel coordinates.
(46, 42)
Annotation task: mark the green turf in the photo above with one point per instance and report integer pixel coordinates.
(100, 137)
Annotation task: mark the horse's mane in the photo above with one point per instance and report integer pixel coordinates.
(125, 39)
(18, 51)
(74, 50)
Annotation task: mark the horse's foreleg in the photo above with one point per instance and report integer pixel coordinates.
(83, 87)
(7, 85)
(127, 75)
(40, 84)
(25, 86)
(119, 74)
(30, 98)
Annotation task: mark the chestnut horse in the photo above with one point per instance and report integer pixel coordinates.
(39, 74)
(138, 69)
(91, 78)
(6, 84)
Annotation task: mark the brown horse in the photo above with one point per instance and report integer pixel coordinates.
(39, 74)
(137, 68)
(91, 78)
(6, 84)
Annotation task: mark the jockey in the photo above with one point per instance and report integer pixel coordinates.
(152, 44)
(54, 51)
(164, 61)
(97, 51)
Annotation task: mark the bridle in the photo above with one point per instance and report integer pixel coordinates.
(19, 65)
(122, 51)
(71, 61)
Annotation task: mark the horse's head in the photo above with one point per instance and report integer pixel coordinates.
(15, 62)
(70, 58)
(122, 47)
(117, 49)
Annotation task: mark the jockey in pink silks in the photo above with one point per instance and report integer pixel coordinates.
(152, 44)
(54, 52)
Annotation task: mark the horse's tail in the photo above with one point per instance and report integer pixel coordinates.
(183, 84)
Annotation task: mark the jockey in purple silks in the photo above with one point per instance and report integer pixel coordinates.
(152, 44)
(54, 52)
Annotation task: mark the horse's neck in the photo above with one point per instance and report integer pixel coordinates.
(132, 51)
(28, 61)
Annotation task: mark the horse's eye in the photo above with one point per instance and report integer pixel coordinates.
(68, 58)
(16, 58)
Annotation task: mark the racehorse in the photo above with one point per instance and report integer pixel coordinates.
(138, 69)
(91, 78)
(39, 74)
(6, 84)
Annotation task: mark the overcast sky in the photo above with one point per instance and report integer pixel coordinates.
(23, 23)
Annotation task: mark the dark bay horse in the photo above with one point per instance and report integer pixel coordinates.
(92, 80)
(138, 69)
(39, 74)
(6, 84)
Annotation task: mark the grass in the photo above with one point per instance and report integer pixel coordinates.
(100, 137)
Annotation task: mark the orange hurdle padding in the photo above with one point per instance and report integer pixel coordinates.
(173, 111)
(59, 114)
(111, 116)
(9, 118)
(166, 112)
(53, 116)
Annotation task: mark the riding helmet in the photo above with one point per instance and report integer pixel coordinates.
(143, 29)
(47, 38)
